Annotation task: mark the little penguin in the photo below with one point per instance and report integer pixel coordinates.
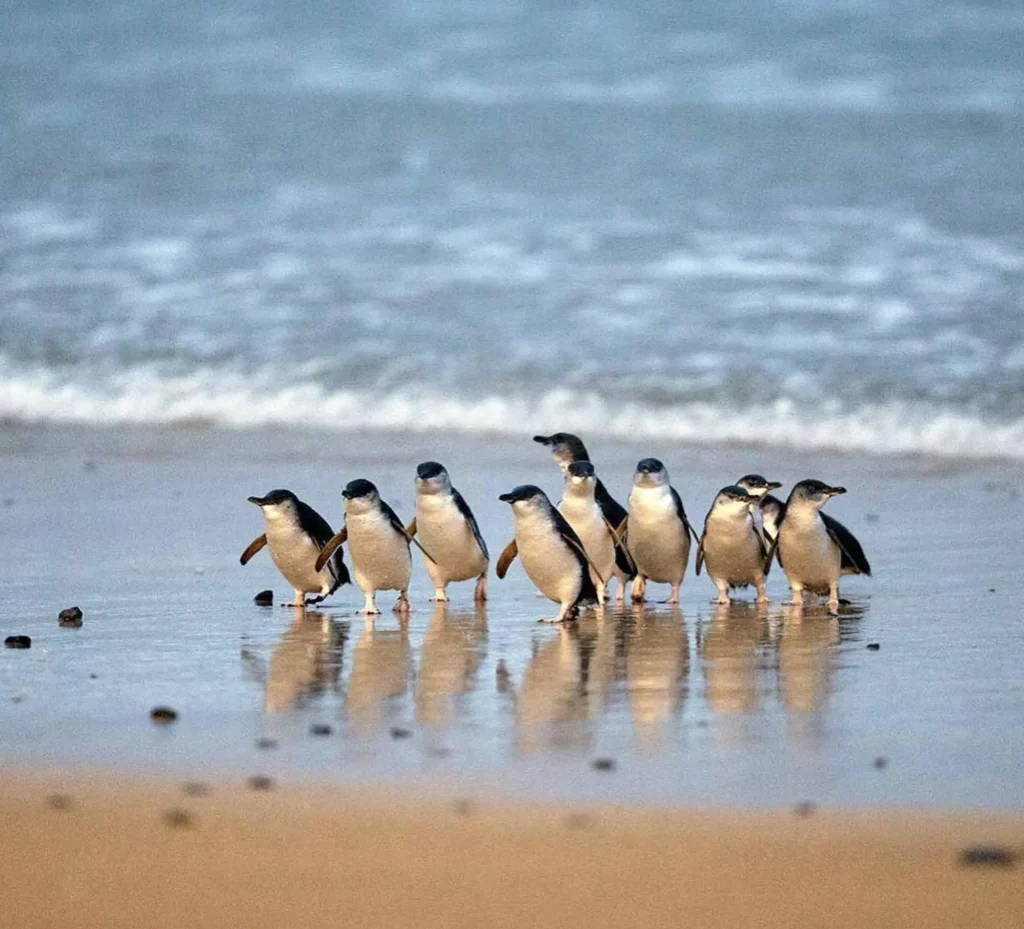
(582, 512)
(768, 509)
(658, 533)
(567, 448)
(732, 544)
(296, 534)
(813, 548)
(378, 543)
(553, 555)
(449, 531)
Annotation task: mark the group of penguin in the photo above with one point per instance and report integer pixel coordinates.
(571, 551)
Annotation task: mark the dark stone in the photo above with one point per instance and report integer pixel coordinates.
(604, 764)
(805, 809)
(463, 807)
(266, 743)
(260, 782)
(71, 618)
(993, 856)
(320, 729)
(871, 517)
(59, 802)
(18, 641)
(872, 646)
(93, 676)
(264, 598)
(578, 821)
(163, 714)
(178, 819)
(397, 732)
(991, 590)
(881, 762)
(195, 789)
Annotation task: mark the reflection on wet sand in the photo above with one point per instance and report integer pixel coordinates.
(381, 667)
(453, 647)
(306, 662)
(552, 696)
(656, 648)
(732, 659)
(807, 657)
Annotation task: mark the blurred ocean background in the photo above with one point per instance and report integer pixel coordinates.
(792, 223)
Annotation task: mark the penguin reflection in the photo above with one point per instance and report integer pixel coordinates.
(731, 657)
(552, 700)
(453, 647)
(306, 662)
(380, 674)
(807, 643)
(657, 650)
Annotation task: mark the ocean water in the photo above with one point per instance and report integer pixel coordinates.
(792, 224)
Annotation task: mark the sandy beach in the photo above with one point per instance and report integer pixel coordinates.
(111, 853)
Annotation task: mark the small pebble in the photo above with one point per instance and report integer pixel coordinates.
(997, 856)
(881, 762)
(320, 729)
(871, 517)
(195, 789)
(260, 782)
(93, 676)
(604, 764)
(178, 819)
(578, 821)
(18, 641)
(8, 501)
(805, 809)
(463, 807)
(266, 743)
(59, 802)
(872, 646)
(397, 732)
(71, 618)
(991, 590)
(264, 598)
(163, 714)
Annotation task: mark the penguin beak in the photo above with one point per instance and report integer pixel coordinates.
(346, 495)
(507, 498)
(542, 439)
(835, 491)
(774, 485)
(259, 501)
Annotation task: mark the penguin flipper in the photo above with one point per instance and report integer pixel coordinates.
(681, 513)
(410, 530)
(700, 553)
(574, 542)
(467, 514)
(254, 546)
(506, 558)
(623, 560)
(332, 544)
(852, 559)
(397, 524)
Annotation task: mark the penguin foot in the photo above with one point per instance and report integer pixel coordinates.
(368, 612)
(402, 604)
(833, 607)
(480, 593)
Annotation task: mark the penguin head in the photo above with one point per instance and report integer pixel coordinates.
(814, 493)
(565, 448)
(650, 473)
(525, 497)
(580, 478)
(278, 504)
(756, 484)
(432, 478)
(360, 496)
(733, 500)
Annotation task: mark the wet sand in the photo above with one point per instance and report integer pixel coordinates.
(111, 856)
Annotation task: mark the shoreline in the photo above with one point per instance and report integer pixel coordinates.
(111, 852)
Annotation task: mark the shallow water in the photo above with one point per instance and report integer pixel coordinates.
(695, 704)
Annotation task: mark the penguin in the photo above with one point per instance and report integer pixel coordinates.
(553, 555)
(450, 531)
(733, 545)
(768, 509)
(567, 448)
(378, 543)
(813, 548)
(296, 534)
(582, 512)
(658, 533)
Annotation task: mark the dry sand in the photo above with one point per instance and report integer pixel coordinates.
(324, 857)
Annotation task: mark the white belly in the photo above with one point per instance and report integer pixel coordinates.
(809, 556)
(295, 555)
(657, 539)
(380, 556)
(547, 560)
(732, 552)
(444, 532)
(585, 518)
